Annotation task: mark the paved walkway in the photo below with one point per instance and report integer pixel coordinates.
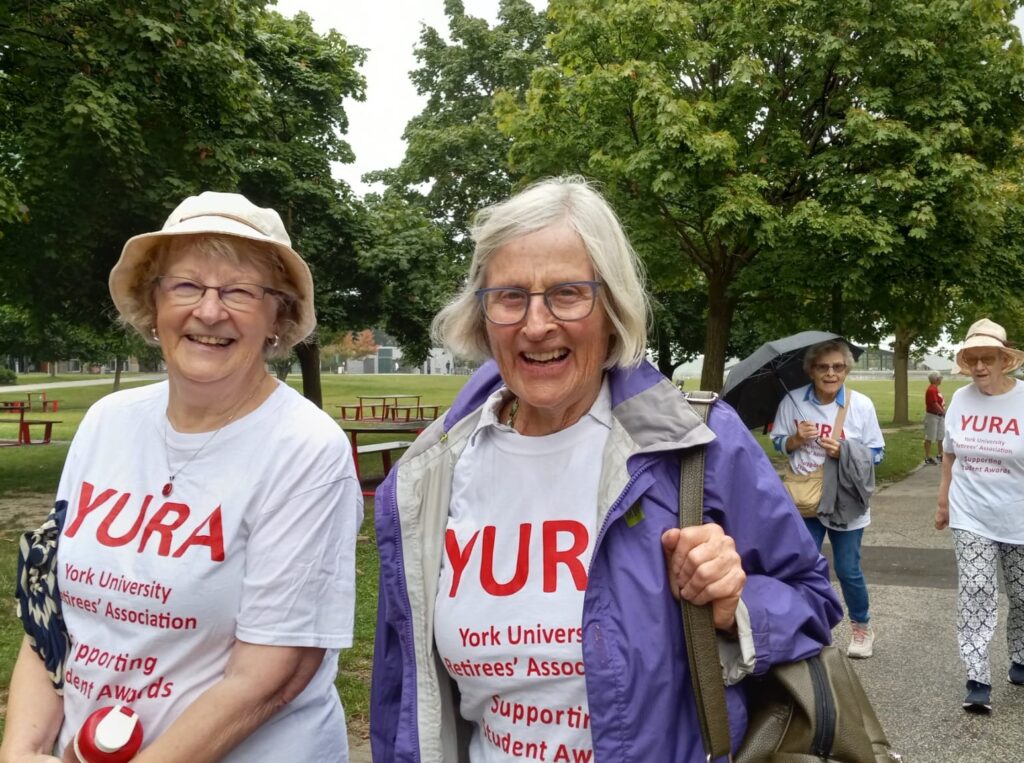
(915, 679)
(359, 751)
(109, 381)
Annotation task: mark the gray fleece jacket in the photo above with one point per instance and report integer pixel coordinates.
(847, 484)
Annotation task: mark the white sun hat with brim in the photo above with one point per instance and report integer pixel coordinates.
(222, 214)
(987, 333)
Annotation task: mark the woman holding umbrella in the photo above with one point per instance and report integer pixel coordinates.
(825, 420)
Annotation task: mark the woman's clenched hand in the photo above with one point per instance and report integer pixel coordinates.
(704, 568)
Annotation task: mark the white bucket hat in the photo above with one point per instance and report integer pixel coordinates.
(224, 214)
(986, 333)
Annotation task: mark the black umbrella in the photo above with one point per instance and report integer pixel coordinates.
(756, 385)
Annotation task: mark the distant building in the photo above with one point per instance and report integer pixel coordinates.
(388, 360)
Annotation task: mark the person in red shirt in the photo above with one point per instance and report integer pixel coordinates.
(934, 419)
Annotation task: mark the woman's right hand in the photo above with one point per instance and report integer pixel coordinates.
(942, 515)
(805, 432)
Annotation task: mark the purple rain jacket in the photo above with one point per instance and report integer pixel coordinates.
(640, 698)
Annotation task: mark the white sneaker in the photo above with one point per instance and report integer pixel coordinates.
(862, 641)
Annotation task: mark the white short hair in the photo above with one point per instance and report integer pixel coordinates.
(934, 376)
(575, 203)
(824, 348)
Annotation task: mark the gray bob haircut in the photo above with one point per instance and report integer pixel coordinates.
(934, 377)
(575, 203)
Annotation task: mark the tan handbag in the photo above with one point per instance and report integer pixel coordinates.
(805, 489)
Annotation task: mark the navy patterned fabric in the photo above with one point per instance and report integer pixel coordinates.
(38, 596)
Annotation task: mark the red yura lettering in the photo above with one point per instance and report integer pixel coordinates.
(163, 526)
(990, 424)
(551, 557)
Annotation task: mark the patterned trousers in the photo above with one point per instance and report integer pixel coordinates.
(977, 603)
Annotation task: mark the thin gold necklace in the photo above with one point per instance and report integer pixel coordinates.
(168, 487)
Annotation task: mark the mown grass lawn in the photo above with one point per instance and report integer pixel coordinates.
(36, 470)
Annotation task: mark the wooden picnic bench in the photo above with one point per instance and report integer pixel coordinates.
(429, 411)
(382, 408)
(364, 411)
(386, 450)
(44, 403)
(25, 427)
(413, 412)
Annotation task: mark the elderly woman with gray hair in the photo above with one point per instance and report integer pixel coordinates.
(530, 554)
(981, 499)
(934, 419)
(203, 536)
(819, 427)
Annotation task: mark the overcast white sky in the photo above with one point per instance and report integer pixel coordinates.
(389, 29)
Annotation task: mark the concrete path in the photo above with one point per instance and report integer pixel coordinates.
(83, 383)
(359, 751)
(915, 679)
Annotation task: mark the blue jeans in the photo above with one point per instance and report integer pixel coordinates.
(846, 558)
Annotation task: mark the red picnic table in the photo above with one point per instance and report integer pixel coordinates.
(16, 410)
(43, 402)
(386, 449)
(378, 407)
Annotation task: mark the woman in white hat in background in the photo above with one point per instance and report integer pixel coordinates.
(204, 530)
(981, 498)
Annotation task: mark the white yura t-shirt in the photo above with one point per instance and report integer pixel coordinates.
(509, 608)
(255, 542)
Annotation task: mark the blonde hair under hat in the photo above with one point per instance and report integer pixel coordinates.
(988, 333)
(219, 214)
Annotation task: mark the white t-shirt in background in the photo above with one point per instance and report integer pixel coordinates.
(255, 542)
(986, 495)
(860, 425)
(509, 608)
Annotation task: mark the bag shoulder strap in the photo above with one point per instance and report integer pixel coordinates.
(698, 626)
(837, 427)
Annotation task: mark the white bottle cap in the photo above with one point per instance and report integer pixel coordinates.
(114, 731)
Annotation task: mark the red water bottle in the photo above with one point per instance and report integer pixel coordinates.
(110, 735)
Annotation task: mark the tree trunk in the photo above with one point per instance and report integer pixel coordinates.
(282, 368)
(309, 361)
(900, 362)
(836, 322)
(720, 311)
(117, 374)
(664, 352)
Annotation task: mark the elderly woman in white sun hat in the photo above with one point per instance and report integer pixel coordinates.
(981, 498)
(204, 527)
